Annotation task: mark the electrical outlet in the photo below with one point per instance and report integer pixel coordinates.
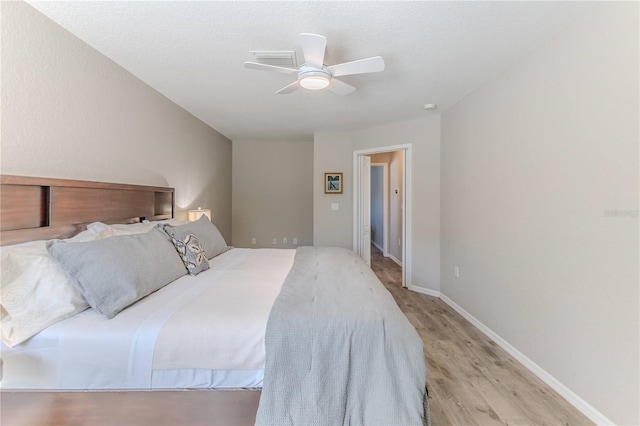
(456, 272)
(253, 241)
(284, 240)
(295, 241)
(275, 241)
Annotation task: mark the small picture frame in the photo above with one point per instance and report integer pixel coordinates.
(333, 183)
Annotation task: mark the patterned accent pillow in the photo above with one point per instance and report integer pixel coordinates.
(211, 239)
(191, 252)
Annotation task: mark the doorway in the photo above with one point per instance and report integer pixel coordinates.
(386, 218)
(380, 204)
(394, 229)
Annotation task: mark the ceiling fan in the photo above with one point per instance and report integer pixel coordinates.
(314, 74)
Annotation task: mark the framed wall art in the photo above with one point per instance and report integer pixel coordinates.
(333, 183)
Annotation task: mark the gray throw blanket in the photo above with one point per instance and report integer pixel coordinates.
(339, 350)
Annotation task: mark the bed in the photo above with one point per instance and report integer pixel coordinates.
(277, 320)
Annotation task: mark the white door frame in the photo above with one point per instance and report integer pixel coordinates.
(364, 199)
(406, 205)
(385, 207)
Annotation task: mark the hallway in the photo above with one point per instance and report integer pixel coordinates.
(388, 271)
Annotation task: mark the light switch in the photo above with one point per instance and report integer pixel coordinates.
(335, 206)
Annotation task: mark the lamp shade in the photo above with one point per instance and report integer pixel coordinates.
(196, 214)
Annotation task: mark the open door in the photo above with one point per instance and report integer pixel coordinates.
(362, 206)
(364, 171)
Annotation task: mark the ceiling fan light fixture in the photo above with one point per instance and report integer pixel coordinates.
(314, 82)
(314, 74)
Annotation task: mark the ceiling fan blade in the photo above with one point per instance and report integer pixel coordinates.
(340, 88)
(362, 66)
(265, 67)
(313, 47)
(288, 89)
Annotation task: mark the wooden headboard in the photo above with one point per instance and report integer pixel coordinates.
(34, 208)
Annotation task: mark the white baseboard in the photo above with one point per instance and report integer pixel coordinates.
(377, 246)
(395, 259)
(586, 409)
(427, 291)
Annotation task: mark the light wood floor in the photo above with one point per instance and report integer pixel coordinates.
(471, 380)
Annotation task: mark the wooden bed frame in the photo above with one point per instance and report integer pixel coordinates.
(34, 208)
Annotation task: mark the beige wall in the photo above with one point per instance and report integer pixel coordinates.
(532, 166)
(70, 112)
(334, 152)
(272, 193)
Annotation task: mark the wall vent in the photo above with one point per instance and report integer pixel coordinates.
(279, 58)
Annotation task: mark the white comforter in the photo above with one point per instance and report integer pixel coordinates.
(214, 322)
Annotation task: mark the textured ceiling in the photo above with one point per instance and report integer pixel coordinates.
(193, 52)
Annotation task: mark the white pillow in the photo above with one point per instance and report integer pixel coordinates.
(129, 229)
(35, 290)
(35, 293)
(87, 235)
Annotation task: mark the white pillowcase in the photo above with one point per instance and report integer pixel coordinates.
(36, 292)
(130, 229)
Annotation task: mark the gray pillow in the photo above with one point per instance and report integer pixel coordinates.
(115, 272)
(190, 252)
(211, 239)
